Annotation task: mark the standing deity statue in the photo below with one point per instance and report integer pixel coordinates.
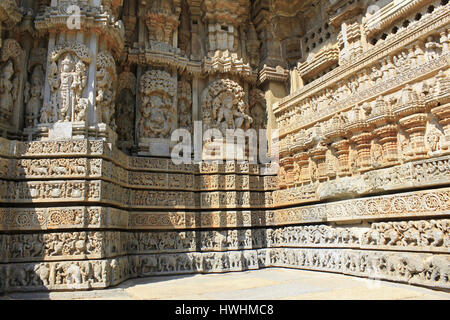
(35, 95)
(66, 96)
(67, 83)
(7, 89)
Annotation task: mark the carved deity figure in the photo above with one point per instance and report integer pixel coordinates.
(69, 83)
(231, 117)
(185, 117)
(155, 122)
(34, 96)
(106, 88)
(8, 89)
(156, 111)
(67, 77)
(66, 93)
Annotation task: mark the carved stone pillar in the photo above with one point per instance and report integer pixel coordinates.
(80, 91)
(415, 126)
(443, 115)
(287, 165)
(363, 143)
(444, 40)
(302, 161)
(387, 135)
(342, 151)
(318, 155)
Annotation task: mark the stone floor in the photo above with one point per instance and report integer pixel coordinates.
(267, 284)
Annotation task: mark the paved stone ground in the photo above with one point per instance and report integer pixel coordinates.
(266, 284)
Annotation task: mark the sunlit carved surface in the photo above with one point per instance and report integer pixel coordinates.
(358, 90)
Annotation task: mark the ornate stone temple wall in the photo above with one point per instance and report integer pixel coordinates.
(91, 92)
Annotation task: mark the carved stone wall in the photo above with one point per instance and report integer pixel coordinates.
(359, 94)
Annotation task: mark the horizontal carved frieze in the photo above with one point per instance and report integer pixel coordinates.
(413, 268)
(424, 173)
(413, 235)
(430, 203)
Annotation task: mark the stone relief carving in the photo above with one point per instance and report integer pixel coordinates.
(11, 68)
(35, 88)
(106, 88)
(368, 113)
(224, 107)
(67, 77)
(185, 105)
(157, 90)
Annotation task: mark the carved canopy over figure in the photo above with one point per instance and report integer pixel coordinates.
(223, 107)
(157, 89)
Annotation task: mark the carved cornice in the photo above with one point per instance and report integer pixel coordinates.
(226, 63)
(390, 13)
(341, 11)
(278, 74)
(98, 20)
(323, 59)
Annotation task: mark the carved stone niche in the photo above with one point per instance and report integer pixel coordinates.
(64, 113)
(12, 61)
(125, 109)
(223, 108)
(157, 115)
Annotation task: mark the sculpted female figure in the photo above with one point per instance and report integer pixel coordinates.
(34, 101)
(6, 88)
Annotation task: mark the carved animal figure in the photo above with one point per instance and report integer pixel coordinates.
(149, 265)
(168, 263)
(414, 266)
(434, 236)
(438, 269)
(73, 273)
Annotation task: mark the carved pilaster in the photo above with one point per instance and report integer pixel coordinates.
(415, 126)
(342, 151)
(363, 141)
(387, 135)
(318, 155)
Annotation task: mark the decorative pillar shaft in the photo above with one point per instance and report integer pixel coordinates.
(388, 139)
(362, 142)
(415, 126)
(342, 150)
